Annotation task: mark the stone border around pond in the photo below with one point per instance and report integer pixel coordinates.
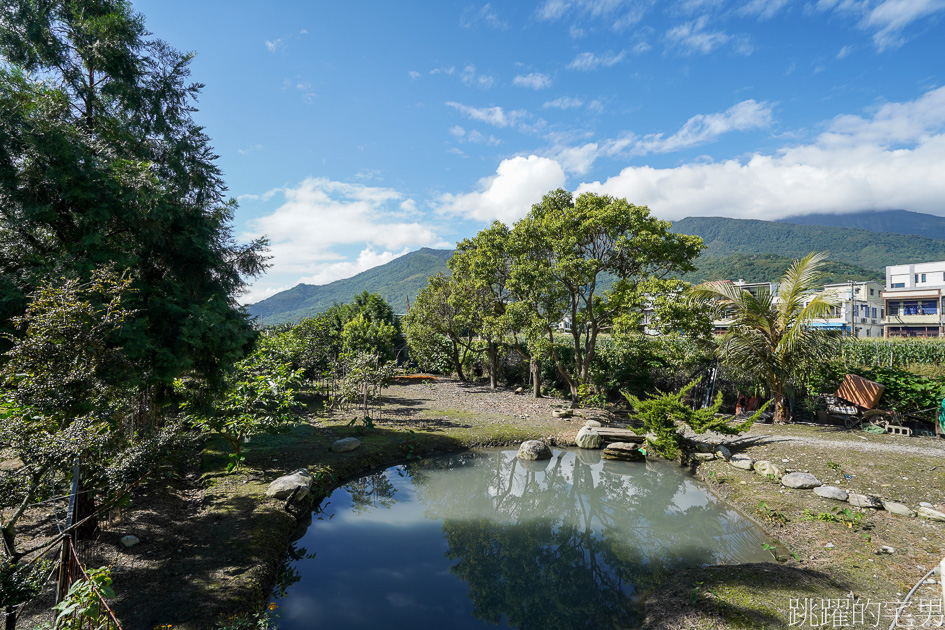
(796, 480)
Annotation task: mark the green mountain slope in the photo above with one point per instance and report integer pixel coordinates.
(871, 250)
(396, 281)
(770, 267)
(896, 221)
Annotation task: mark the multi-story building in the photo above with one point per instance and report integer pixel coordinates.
(859, 311)
(721, 326)
(914, 300)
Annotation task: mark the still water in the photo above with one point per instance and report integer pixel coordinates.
(482, 540)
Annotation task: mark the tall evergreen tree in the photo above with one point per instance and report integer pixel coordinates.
(102, 162)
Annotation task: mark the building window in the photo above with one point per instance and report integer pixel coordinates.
(874, 312)
(871, 290)
(929, 308)
(901, 285)
(915, 279)
(867, 332)
(882, 314)
(923, 277)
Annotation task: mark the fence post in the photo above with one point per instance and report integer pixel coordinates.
(65, 557)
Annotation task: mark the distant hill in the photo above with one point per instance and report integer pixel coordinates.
(394, 281)
(895, 221)
(755, 251)
(870, 250)
(769, 268)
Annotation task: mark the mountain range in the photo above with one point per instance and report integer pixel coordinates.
(859, 248)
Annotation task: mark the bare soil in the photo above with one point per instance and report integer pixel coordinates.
(212, 544)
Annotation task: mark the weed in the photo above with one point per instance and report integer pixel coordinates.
(366, 423)
(771, 514)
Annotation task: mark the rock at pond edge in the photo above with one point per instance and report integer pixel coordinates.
(345, 444)
(624, 451)
(800, 481)
(534, 450)
(588, 437)
(299, 482)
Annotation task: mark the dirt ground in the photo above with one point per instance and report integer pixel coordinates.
(212, 545)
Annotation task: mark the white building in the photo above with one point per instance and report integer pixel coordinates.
(914, 300)
(859, 311)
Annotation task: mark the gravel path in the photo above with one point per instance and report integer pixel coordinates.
(848, 440)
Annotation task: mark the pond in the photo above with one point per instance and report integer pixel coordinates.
(481, 539)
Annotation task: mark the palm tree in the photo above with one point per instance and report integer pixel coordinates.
(771, 338)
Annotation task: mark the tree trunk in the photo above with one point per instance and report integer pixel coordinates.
(493, 364)
(85, 508)
(457, 364)
(536, 378)
(9, 611)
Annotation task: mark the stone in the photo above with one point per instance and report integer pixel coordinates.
(345, 444)
(129, 541)
(831, 492)
(703, 457)
(741, 461)
(898, 509)
(625, 451)
(932, 515)
(722, 452)
(519, 390)
(765, 468)
(887, 549)
(703, 447)
(562, 413)
(588, 437)
(800, 481)
(534, 449)
(865, 501)
(299, 482)
(592, 423)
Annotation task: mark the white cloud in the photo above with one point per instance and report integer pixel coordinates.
(508, 195)
(565, 102)
(887, 19)
(414, 75)
(250, 149)
(578, 160)
(275, 44)
(703, 128)
(856, 164)
(615, 14)
(693, 37)
(320, 214)
(367, 259)
(533, 80)
(447, 70)
(586, 61)
(471, 78)
(472, 17)
(845, 52)
(495, 116)
(763, 9)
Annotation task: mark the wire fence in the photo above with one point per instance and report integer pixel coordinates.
(98, 615)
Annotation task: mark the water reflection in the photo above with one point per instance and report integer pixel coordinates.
(483, 538)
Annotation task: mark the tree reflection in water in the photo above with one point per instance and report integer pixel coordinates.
(371, 491)
(567, 544)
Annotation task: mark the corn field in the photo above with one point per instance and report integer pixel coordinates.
(892, 352)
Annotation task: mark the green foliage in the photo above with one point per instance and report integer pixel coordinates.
(364, 375)
(81, 607)
(21, 582)
(662, 415)
(101, 162)
(772, 515)
(371, 336)
(257, 397)
(565, 247)
(770, 339)
(838, 514)
(900, 353)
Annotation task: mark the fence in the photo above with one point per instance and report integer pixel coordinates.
(94, 616)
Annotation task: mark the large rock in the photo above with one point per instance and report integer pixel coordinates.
(741, 461)
(865, 501)
(283, 487)
(899, 509)
(624, 451)
(831, 492)
(932, 515)
(703, 457)
(722, 452)
(345, 444)
(800, 481)
(588, 437)
(534, 449)
(592, 423)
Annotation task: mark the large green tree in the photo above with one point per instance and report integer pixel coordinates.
(102, 162)
(563, 251)
(770, 337)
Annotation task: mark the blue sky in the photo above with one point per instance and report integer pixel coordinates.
(353, 132)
